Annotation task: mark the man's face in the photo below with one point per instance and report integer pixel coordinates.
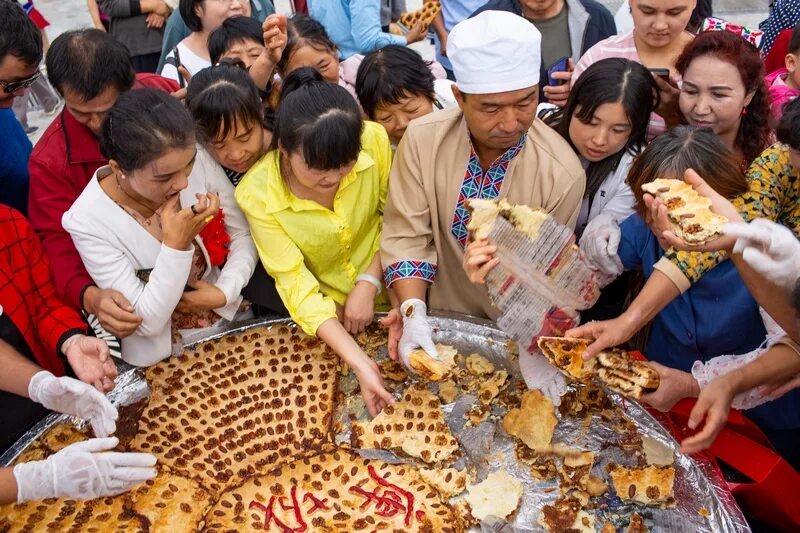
(497, 121)
(541, 9)
(13, 69)
(90, 113)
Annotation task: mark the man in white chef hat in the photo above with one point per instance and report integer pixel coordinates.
(492, 146)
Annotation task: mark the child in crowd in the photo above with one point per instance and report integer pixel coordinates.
(257, 48)
(229, 118)
(784, 83)
(314, 204)
(395, 85)
(160, 225)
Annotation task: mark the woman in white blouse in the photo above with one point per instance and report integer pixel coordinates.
(160, 224)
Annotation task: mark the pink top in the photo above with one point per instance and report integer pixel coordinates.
(779, 91)
(623, 46)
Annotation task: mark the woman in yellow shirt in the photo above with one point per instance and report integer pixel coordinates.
(314, 203)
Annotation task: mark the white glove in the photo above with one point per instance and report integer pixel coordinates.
(417, 332)
(599, 244)
(770, 249)
(539, 374)
(83, 470)
(76, 398)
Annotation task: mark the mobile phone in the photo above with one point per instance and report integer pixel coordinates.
(558, 66)
(662, 73)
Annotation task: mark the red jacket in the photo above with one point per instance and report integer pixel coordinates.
(28, 295)
(61, 165)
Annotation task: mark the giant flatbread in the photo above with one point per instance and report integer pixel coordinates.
(237, 406)
(414, 426)
(168, 502)
(689, 212)
(334, 492)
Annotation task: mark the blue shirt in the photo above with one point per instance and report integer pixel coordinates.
(14, 157)
(353, 25)
(716, 316)
(453, 12)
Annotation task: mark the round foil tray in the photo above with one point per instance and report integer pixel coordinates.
(703, 501)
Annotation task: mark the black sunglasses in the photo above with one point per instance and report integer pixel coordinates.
(14, 86)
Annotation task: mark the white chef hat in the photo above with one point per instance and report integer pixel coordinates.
(495, 52)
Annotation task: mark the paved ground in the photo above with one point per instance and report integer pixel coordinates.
(71, 14)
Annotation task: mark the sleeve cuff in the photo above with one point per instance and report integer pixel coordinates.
(669, 269)
(409, 269)
(135, 7)
(63, 338)
(311, 322)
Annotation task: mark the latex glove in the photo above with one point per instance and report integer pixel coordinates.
(73, 397)
(83, 470)
(770, 249)
(539, 374)
(599, 244)
(417, 332)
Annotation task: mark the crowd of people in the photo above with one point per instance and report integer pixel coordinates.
(318, 168)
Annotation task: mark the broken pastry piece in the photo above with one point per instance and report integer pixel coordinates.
(566, 516)
(689, 212)
(625, 375)
(497, 495)
(542, 466)
(448, 481)
(477, 414)
(575, 473)
(415, 426)
(478, 365)
(651, 485)
(392, 370)
(448, 391)
(636, 525)
(484, 213)
(615, 368)
(566, 354)
(492, 387)
(433, 369)
(533, 422)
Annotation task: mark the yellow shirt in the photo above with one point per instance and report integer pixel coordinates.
(313, 253)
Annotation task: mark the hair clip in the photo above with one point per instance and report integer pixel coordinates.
(753, 37)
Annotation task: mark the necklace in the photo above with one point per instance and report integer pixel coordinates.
(147, 219)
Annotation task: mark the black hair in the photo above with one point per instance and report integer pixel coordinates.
(702, 10)
(88, 62)
(387, 75)
(303, 30)
(788, 131)
(233, 31)
(607, 81)
(794, 40)
(19, 36)
(317, 119)
(143, 125)
(219, 98)
(796, 297)
(687, 147)
(189, 16)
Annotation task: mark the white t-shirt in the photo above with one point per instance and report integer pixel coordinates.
(190, 61)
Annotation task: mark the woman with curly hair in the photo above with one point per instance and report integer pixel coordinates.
(723, 89)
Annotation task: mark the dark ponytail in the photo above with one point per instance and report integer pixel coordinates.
(319, 120)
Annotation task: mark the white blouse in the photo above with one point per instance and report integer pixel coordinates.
(114, 246)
